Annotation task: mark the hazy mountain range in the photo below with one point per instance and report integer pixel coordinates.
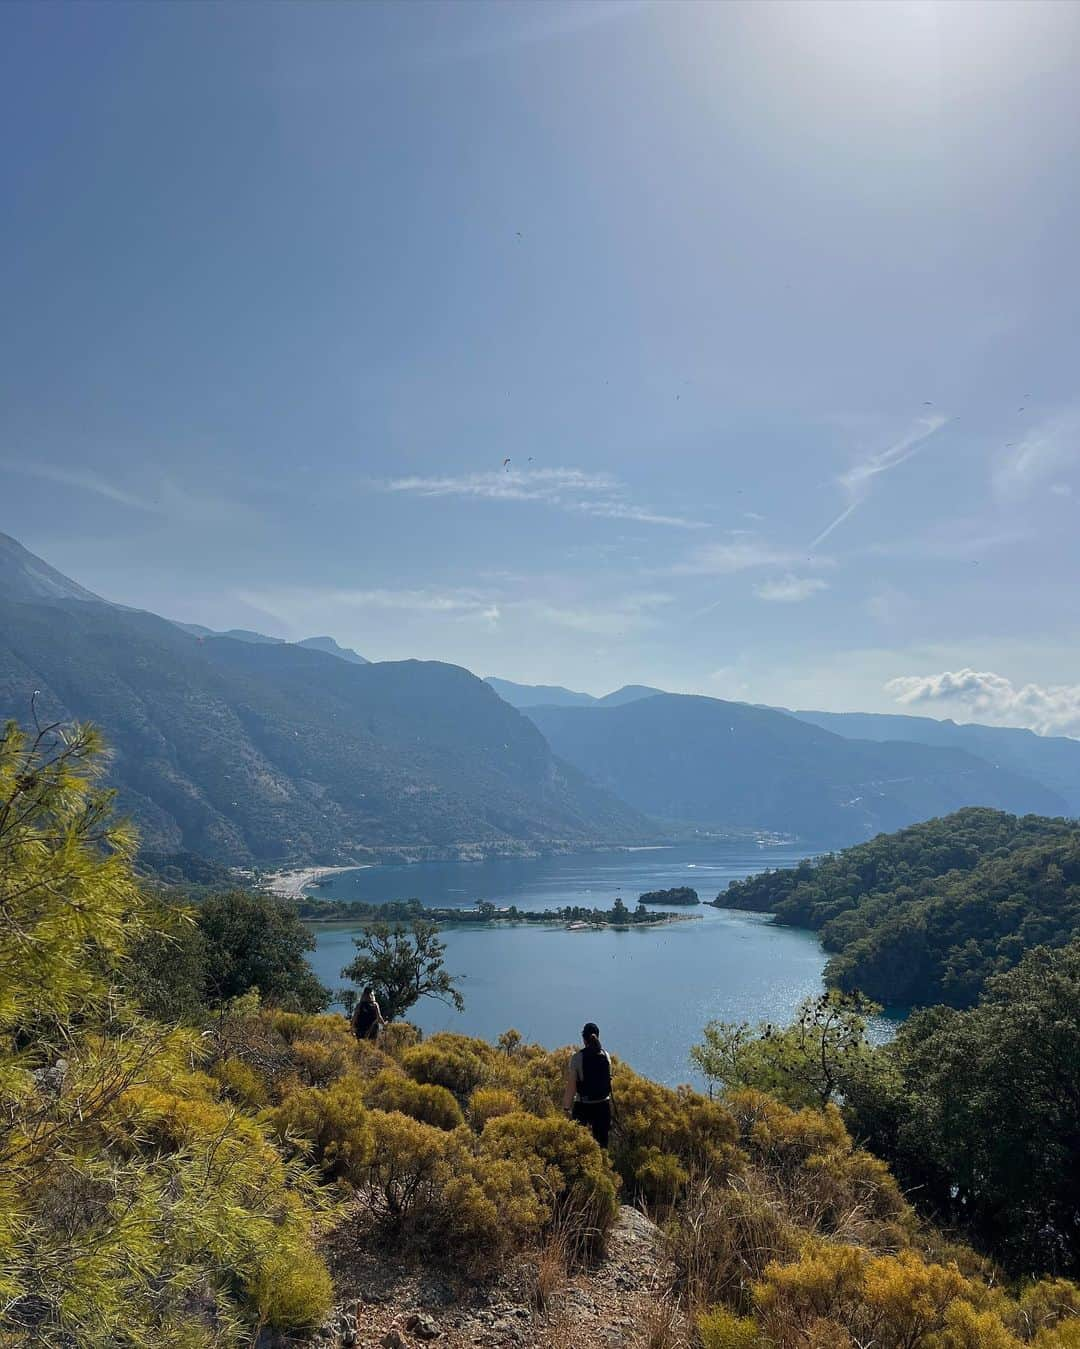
(240, 746)
(268, 750)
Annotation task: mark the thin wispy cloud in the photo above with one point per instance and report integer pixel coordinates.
(1040, 453)
(790, 589)
(299, 606)
(857, 482)
(741, 551)
(569, 489)
(296, 599)
(167, 498)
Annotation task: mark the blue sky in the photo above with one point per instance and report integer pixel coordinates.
(772, 309)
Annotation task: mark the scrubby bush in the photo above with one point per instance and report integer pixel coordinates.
(721, 1329)
(403, 1178)
(398, 1036)
(241, 1082)
(895, 1302)
(827, 1183)
(451, 1061)
(723, 1236)
(569, 1172)
(333, 1124)
(664, 1136)
(291, 1290)
(391, 1090)
(489, 1103)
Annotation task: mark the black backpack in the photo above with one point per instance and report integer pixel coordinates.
(595, 1084)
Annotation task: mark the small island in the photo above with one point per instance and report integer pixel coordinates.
(573, 916)
(680, 894)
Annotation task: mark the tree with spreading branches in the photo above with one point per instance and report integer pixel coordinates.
(402, 965)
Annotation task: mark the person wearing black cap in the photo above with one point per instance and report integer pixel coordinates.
(587, 1096)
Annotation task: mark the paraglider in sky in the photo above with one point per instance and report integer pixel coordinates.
(506, 464)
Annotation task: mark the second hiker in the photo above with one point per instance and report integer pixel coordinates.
(587, 1096)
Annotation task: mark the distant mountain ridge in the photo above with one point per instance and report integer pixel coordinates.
(554, 695)
(326, 644)
(267, 752)
(703, 762)
(1052, 760)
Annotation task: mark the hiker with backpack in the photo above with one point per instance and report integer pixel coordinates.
(587, 1096)
(367, 1016)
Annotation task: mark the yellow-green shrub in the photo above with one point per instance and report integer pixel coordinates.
(397, 1037)
(241, 1082)
(291, 1289)
(334, 1122)
(655, 1123)
(828, 1182)
(721, 1329)
(403, 1180)
(895, 1302)
(1044, 1303)
(488, 1103)
(451, 1061)
(391, 1090)
(659, 1177)
(570, 1174)
(724, 1235)
(1063, 1336)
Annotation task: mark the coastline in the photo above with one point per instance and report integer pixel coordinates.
(294, 884)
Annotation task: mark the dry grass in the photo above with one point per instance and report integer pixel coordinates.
(663, 1327)
(726, 1235)
(552, 1261)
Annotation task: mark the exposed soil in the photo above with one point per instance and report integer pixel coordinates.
(386, 1301)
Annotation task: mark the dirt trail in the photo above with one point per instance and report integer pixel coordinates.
(386, 1304)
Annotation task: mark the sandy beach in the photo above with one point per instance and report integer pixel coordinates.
(294, 884)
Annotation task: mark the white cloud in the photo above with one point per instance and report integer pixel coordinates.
(741, 552)
(1043, 450)
(790, 589)
(569, 489)
(1052, 709)
(857, 481)
(1061, 489)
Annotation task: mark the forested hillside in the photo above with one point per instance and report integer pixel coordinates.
(928, 914)
(708, 763)
(268, 752)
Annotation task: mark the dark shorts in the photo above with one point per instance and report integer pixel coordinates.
(596, 1116)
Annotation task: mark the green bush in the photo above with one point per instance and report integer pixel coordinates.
(403, 1179)
(334, 1123)
(488, 1103)
(292, 1290)
(721, 1329)
(569, 1172)
(451, 1061)
(391, 1090)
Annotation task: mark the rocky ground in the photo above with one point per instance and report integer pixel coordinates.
(390, 1303)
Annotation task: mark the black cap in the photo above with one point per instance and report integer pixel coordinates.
(590, 1028)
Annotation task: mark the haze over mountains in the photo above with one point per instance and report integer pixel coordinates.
(696, 761)
(270, 751)
(240, 747)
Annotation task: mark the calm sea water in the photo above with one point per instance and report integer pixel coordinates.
(651, 990)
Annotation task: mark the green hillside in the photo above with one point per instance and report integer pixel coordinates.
(928, 914)
(267, 752)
